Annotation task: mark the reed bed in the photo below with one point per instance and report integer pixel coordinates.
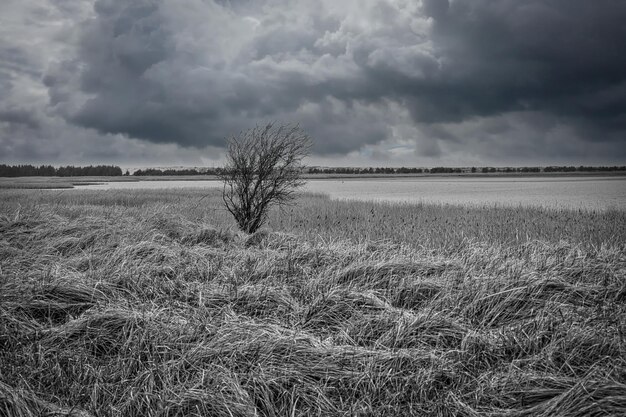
(151, 303)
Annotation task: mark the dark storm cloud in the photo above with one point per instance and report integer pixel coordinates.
(561, 56)
(159, 73)
(19, 116)
(353, 73)
(115, 50)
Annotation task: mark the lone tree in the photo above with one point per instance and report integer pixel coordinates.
(263, 168)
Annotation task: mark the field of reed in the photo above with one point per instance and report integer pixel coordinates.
(151, 303)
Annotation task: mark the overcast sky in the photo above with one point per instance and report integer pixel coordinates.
(374, 82)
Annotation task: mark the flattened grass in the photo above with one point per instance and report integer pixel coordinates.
(151, 303)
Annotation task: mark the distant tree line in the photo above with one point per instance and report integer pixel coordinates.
(486, 170)
(584, 169)
(110, 170)
(379, 170)
(66, 171)
(448, 170)
(184, 171)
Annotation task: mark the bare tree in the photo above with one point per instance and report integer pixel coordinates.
(263, 168)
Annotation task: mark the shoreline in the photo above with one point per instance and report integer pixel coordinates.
(11, 182)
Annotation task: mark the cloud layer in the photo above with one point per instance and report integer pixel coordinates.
(373, 81)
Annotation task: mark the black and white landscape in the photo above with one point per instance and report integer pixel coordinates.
(312, 208)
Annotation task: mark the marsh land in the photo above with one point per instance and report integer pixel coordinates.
(151, 303)
(560, 191)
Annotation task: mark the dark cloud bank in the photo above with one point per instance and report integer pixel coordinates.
(381, 81)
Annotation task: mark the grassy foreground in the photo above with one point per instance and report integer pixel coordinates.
(150, 303)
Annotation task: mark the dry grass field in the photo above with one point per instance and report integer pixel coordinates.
(150, 303)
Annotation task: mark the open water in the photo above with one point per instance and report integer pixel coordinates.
(577, 192)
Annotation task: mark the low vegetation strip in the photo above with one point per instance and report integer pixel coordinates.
(150, 303)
